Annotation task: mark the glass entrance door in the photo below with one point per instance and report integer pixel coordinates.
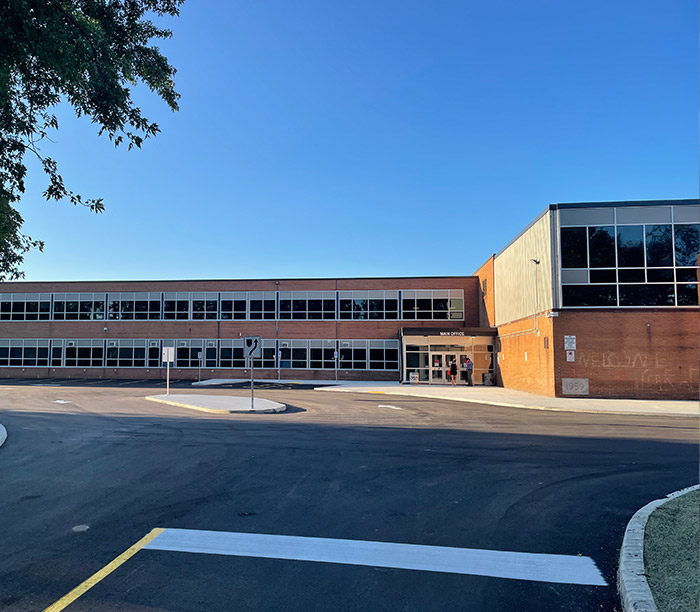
(449, 358)
(437, 366)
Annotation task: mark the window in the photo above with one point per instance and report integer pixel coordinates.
(353, 354)
(262, 305)
(24, 353)
(647, 295)
(648, 264)
(307, 305)
(187, 353)
(231, 354)
(126, 354)
(383, 355)
(630, 246)
(79, 306)
(589, 295)
(322, 354)
(433, 304)
(573, 247)
(268, 360)
(82, 353)
(369, 305)
(659, 245)
(133, 306)
(687, 294)
(687, 242)
(205, 305)
(25, 306)
(601, 246)
(176, 306)
(233, 305)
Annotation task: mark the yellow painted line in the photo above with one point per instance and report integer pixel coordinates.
(68, 599)
(191, 406)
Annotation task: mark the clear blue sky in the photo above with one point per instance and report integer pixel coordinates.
(377, 138)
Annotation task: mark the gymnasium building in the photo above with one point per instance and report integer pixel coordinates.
(597, 299)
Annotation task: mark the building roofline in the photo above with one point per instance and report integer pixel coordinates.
(213, 280)
(625, 203)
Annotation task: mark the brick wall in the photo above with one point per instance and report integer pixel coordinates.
(645, 354)
(525, 359)
(487, 302)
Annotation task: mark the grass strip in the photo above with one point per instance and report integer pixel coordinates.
(671, 553)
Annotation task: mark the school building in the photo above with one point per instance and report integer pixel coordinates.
(597, 299)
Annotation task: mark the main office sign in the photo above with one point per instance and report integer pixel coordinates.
(451, 333)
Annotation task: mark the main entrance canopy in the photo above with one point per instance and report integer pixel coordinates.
(428, 353)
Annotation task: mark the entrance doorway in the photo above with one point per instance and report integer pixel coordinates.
(440, 367)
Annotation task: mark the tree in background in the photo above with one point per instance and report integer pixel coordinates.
(89, 53)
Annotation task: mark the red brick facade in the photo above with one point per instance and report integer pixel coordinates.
(644, 354)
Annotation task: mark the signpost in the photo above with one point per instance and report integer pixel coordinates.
(199, 376)
(168, 358)
(252, 346)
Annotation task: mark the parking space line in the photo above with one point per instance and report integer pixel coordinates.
(539, 567)
(68, 599)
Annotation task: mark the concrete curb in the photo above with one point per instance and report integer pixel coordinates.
(509, 404)
(632, 584)
(3, 434)
(280, 408)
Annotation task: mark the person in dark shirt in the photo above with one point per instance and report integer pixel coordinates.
(453, 372)
(470, 371)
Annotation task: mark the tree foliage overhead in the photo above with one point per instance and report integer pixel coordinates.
(89, 53)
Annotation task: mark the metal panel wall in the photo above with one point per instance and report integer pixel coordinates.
(523, 287)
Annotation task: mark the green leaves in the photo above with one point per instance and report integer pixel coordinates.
(90, 53)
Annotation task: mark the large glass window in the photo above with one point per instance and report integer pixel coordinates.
(630, 246)
(601, 242)
(687, 243)
(653, 264)
(589, 295)
(647, 295)
(659, 244)
(574, 253)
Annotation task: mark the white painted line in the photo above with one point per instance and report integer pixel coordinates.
(389, 406)
(567, 569)
(62, 402)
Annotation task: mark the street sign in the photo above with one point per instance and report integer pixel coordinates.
(570, 343)
(252, 346)
(199, 355)
(571, 355)
(168, 354)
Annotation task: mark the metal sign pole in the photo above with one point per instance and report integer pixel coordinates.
(167, 379)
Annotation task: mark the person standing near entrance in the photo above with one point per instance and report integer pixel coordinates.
(453, 372)
(470, 371)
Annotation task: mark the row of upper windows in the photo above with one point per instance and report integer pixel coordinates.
(192, 353)
(426, 304)
(630, 246)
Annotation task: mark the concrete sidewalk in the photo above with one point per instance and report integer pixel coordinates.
(498, 396)
(218, 404)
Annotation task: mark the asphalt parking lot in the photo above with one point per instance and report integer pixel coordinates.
(89, 469)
